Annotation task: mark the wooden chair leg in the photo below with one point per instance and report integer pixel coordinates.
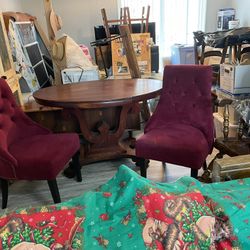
(76, 166)
(194, 173)
(5, 188)
(204, 166)
(54, 191)
(143, 164)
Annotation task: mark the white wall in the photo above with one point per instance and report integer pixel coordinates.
(78, 16)
(242, 11)
(7, 5)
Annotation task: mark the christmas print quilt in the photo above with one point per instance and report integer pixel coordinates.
(131, 212)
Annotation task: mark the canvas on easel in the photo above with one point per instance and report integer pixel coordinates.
(6, 64)
(141, 45)
(26, 36)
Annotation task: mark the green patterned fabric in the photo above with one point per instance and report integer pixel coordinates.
(130, 212)
(114, 215)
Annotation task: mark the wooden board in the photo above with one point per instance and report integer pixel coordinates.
(6, 63)
(231, 168)
(142, 52)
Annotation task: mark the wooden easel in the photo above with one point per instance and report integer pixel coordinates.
(142, 19)
(133, 63)
(129, 50)
(54, 24)
(125, 32)
(127, 43)
(126, 19)
(125, 22)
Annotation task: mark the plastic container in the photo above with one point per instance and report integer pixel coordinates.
(182, 54)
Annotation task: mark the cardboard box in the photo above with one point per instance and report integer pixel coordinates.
(223, 18)
(235, 78)
(73, 75)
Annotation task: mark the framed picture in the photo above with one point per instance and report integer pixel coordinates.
(142, 53)
(26, 32)
(6, 63)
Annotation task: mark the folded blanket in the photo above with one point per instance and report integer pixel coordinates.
(130, 212)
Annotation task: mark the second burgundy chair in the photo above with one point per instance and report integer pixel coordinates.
(29, 151)
(181, 130)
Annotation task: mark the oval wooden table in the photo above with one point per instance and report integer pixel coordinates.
(101, 108)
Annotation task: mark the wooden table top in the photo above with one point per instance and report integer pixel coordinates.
(101, 93)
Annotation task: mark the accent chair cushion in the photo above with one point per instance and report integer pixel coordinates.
(36, 162)
(176, 144)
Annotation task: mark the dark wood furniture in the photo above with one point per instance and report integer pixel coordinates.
(53, 118)
(231, 168)
(102, 109)
(231, 146)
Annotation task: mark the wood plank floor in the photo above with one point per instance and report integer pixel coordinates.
(36, 193)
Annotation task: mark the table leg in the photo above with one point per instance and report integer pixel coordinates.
(102, 130)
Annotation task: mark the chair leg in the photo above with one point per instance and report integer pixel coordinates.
(194, 173)
(54, 191)
(74, 168)
(143, 164)
(77, 166)
(5, 187)
(204, 166)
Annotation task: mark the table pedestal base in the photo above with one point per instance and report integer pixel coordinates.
(103, 130)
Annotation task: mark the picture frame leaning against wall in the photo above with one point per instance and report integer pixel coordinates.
(7, 70)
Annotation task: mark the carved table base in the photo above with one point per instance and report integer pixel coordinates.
(102, 131)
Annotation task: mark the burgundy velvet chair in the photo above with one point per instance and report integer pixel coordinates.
(29, 151)
(181, 129)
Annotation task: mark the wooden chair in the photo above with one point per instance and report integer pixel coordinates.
(204, 56)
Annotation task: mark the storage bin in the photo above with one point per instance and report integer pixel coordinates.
(182, 54)
(73, 75)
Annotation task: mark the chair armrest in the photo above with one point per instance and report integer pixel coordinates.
(223, 102)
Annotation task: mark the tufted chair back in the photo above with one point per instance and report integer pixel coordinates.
(14, 125)
(181, 130)
(186, 99)
(30, 152)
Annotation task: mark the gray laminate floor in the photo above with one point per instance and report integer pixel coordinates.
(35, 193)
